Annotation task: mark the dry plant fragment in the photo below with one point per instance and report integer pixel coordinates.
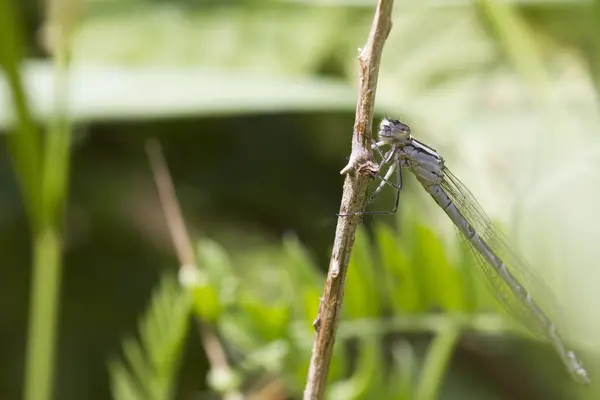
(353, 201)
(183, 245)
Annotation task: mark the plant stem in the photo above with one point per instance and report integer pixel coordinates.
(436, 362)
(353, 201)
(45, 291)
(47, 242)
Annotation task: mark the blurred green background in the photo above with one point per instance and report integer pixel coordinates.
(253, 103)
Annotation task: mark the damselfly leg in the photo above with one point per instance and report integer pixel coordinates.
(385, 180)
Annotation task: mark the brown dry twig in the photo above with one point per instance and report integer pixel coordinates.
(185, 253)
(353, 201)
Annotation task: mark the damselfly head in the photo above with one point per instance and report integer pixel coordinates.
(392, 130)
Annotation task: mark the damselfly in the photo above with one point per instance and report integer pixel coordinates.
(496, 258)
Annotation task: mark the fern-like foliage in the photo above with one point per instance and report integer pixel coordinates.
(150, 364)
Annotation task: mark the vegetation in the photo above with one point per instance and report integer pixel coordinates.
(253, 104)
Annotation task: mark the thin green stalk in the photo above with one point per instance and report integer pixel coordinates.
(47, 268)
(437, 361)
(43, 315)
(25, 149)
(56, 155)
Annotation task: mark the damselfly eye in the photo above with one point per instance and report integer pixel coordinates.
(402, 127)
(402, 130)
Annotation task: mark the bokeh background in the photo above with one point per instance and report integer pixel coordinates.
(253, 103)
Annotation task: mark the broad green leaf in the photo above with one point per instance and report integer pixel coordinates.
(254, 38)
(116, 92)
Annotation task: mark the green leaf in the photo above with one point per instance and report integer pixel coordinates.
(399, 280)
(218, 282)
(206, 302)
(443, 281)
(306, 281)
(123, 384)
(24, 144)
(517, 40)
(269, 321)
(150, 366)
(254, 38)
(361, 296)
(474, 293)
(139, 365)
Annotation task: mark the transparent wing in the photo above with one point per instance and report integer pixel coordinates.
(519, 267)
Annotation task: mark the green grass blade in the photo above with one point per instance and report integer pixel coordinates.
(517, 40)
(24, 143)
